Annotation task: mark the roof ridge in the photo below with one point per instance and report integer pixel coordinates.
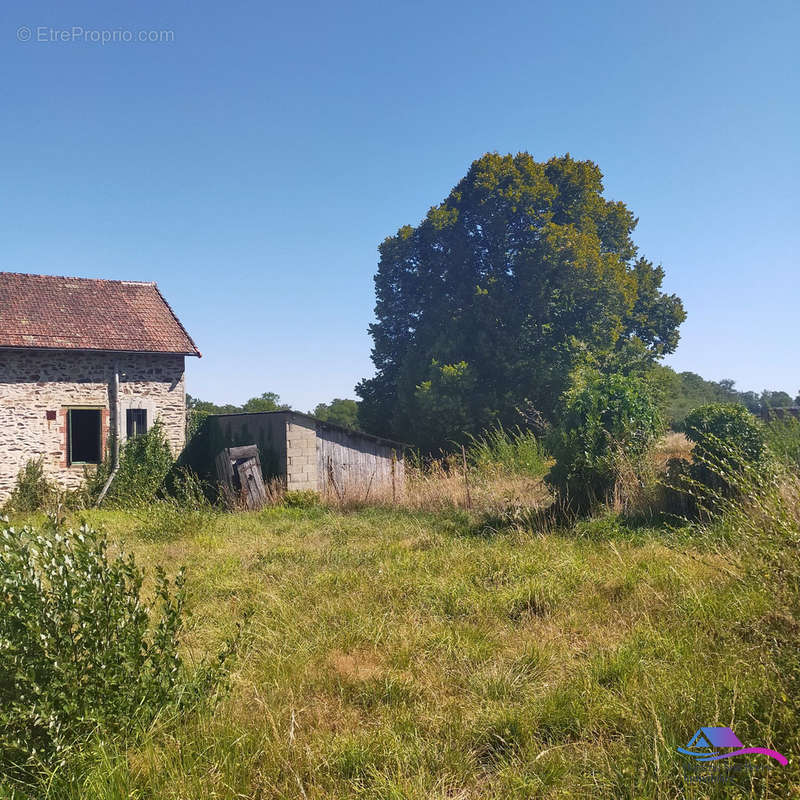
(77, 278)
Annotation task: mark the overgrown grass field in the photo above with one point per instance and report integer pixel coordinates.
(404, 654)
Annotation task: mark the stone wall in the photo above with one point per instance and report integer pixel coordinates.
(35, 382)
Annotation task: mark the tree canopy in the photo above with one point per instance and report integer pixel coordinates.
(522, 274)
(268, 401)
(339, 411)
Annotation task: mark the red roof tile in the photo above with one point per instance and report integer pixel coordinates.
(44, 311)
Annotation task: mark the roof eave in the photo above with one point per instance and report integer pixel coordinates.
(54, 348)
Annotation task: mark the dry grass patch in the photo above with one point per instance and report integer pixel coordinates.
(673, 445)
(360, 665)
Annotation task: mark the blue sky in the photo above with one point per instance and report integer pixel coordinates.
(252, 164)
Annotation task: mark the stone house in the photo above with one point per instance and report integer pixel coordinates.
(80, 359)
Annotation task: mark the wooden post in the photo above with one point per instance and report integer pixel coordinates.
(466, 476)
(394, 471)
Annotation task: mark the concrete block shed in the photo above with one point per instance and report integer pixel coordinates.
(305, 452)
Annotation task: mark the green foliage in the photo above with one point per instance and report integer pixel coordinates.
(522, 274)
(180, 508)
(727, 441)
(689, 391)
(144, 463)
(761, 521)
(80, 651)
(773, 399)
(606, 419)
(268, 401)
(729, 450)
(444, 404)
(783, 440)
(32, 490)
(410, 621)
(680, 393)
(301, 498)
(207, 407)
(195, 418)
(517, 451)
(166, 519)
(339, 411)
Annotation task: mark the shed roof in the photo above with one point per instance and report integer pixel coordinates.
(53, 312)
(323, 423)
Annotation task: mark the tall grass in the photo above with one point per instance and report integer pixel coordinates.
(783, 439)
(517, 452)
(498, 470)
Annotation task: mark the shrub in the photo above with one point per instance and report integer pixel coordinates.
(728, 441)
(518, 452)
(81, 652)
(608, 423)
(32, 491)
(144, 464)
(713, 426)
(187, 489)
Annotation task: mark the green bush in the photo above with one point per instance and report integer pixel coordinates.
(608, 423)
(144, 463)
(729, 443)
(517, 451)
(783, 440)
(81, 652)
(32, 491)
(718, 424)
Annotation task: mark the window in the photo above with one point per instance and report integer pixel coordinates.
(136, 422)
(84, 431)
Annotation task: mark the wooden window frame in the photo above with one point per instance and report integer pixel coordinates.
(129, 413)
(70, 462)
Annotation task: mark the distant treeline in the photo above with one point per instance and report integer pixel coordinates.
(684, 391)
(340, 411)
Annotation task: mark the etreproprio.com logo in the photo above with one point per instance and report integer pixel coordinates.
(716, 743)
(77, 33)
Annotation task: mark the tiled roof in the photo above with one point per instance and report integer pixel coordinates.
(45, 311)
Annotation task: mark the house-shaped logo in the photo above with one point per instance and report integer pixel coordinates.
(711, 743)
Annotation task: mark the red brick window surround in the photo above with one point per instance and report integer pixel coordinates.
(84, 431)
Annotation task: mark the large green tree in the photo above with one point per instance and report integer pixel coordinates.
(524, 272)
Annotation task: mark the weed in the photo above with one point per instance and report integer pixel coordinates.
(517, 452)
(301, 499)
(32, 490)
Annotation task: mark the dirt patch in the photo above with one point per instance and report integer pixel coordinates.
(360, 665)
